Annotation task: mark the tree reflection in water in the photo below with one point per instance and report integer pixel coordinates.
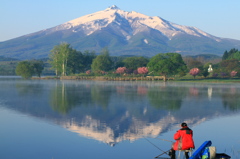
(116, 111)
(230, 97)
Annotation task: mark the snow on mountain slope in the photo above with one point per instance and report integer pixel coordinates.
(136, 21)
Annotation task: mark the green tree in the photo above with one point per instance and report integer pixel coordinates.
(117, 61)
(59, 58)
(102, 62)
(135, 62)
(167, 64)
(231, 54)
(229, 65)
(80, 62)
(25, 69)
(38, 67)
(75, 62)
(225, 55)
(66, 60)
(195, 64)
(205, 70)
(88, 57)
(225, 67)
(236, 55)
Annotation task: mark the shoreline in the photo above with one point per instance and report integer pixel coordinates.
(102, 78)
(147, 78)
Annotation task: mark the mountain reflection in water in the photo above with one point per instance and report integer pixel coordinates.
(111, 112)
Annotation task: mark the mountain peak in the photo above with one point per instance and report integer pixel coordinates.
(126, 33)
(114, 7)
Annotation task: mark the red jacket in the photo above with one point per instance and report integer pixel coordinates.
(184, 139)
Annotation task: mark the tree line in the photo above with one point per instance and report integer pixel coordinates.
(65, 60)
(228, 66)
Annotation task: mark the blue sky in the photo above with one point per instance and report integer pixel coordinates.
(220, 18)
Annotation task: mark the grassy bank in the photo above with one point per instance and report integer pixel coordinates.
(148, 78)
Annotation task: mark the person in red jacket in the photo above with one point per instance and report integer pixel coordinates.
(184, 141)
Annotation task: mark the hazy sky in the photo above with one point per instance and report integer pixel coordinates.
(220, 18)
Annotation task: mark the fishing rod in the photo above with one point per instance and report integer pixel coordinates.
(164, 152)
(164, 140)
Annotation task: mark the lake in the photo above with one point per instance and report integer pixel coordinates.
(54, 119)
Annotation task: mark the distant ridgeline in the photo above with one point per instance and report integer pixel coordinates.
(205, 56)
(2, 58)
(7, 65)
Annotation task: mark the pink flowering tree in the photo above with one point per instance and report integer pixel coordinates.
(233, 73)
(121, 70)
(88, 72)
(142, 70)
(194, 72)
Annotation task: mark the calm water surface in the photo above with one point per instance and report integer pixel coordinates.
(53, 119)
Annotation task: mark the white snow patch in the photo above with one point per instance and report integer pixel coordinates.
(128, 37)
(117, 23)
(146, 41)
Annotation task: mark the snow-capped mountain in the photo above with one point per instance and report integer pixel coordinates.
(124, 33)
(129, 23)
